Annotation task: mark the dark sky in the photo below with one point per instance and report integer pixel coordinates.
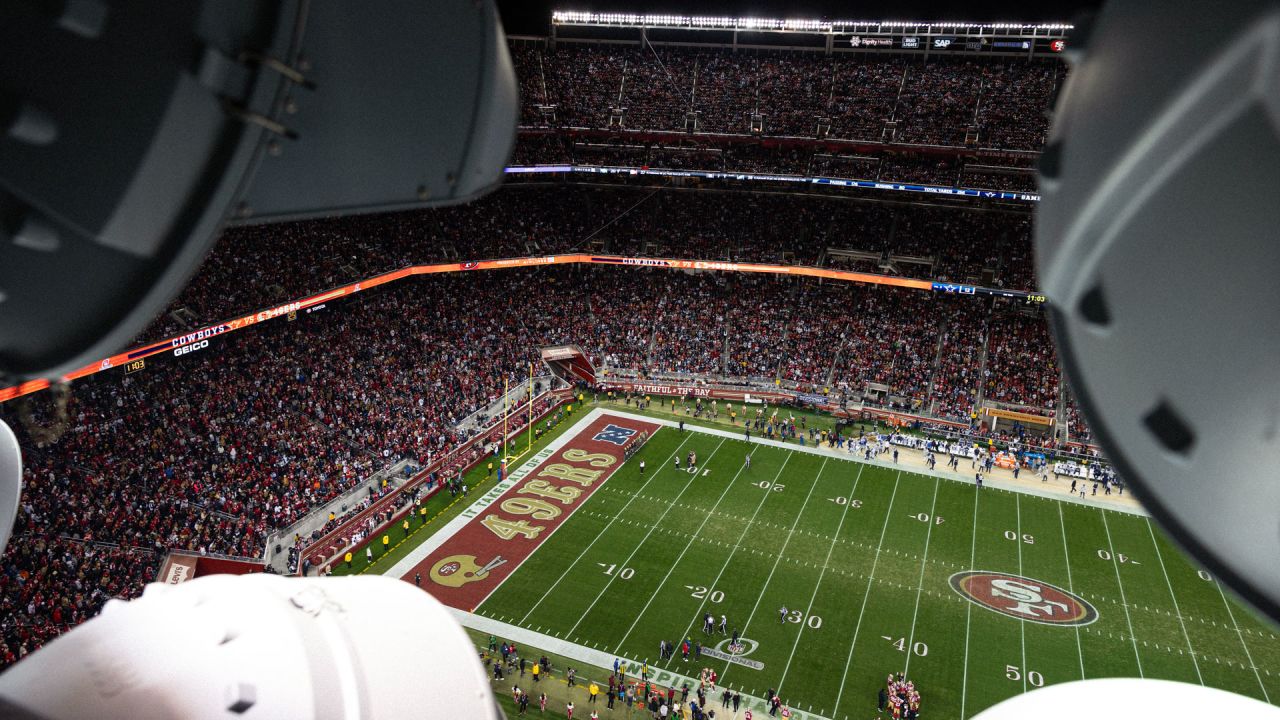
(532, 17)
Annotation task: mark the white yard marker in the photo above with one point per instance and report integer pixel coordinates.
(776, 562)
(602, 533)
(654, 526)
(736, 546)
(1178, 612)
(823, 572)
(1022, 622)
(923, 562)
(1067, 554)
(1248, 656)
(968, 611)
(705, 518)
(1123, 603)
(870, 578)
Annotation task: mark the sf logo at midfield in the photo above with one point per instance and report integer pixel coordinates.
(614, 434)
(1024, 598)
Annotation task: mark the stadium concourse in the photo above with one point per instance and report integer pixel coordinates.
(213, 451)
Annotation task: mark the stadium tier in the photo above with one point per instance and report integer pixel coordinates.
(218, 447)
(963, 118)
(253, 267)
(212, 451)
(998, 102)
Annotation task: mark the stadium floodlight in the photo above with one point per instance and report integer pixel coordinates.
(270, 109)
(761, 24)
(1156, 245)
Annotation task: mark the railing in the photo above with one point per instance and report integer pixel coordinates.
(752, 176)
(835, 405)
(181, 565)
(332, 545)
(515, 395)
(1044, 412)
(82, 541)
(337, 505)
(213, 556)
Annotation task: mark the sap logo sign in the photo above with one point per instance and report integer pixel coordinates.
(191, 348)
(614, 434)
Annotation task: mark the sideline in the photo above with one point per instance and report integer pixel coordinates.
(420, 553)
(601, 659)
(1016, 486)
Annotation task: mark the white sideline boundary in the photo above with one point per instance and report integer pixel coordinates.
(987, 482)
(450, 528)
(604, 660)
(600, 658)
(441, 536)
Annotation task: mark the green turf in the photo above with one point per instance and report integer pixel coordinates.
(661, 408)
(745, 542)
(443, 506)
(553, 683)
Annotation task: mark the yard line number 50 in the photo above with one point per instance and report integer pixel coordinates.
(1034, 678)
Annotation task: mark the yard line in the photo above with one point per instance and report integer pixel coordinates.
(1022, 622)
(968, 612)
(825, 563)
(652, 527)
(870, 578)
(1244, 645)
(672, 567)
(1176, 611)
(608, 525)
(924, 561)
(736, 546)
(777, 561)
(1066, 552)
(1124, 603)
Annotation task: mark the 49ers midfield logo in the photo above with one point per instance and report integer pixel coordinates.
(1023, 598)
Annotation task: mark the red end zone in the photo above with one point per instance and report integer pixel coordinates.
(470, 565)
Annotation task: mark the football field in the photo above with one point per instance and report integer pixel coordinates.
(976, 595)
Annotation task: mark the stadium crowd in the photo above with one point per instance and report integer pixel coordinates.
(952, 101)
(256, 267)
(214, 451)
(1022, 367)
(752, 110)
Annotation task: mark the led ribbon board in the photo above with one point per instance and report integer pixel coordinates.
(239, 323)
